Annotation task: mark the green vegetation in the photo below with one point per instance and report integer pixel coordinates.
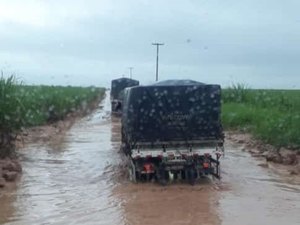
(24, 106)
(270, 115)
(43, 104)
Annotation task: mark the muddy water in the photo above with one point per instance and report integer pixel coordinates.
(80, 179)
(67, 182)
(256, 195)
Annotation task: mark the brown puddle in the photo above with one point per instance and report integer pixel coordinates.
(175, 204)
(67, 182)
(257, 195)
(82, 180)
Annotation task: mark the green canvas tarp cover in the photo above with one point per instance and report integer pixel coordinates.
(118, 86)
(172, 110)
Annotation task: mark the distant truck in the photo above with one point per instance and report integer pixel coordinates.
(173, 128)
(117, 92)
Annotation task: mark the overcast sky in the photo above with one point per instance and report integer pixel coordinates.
(90, 42)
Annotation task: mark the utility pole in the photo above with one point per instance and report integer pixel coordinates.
(157, 51)
(130, 74)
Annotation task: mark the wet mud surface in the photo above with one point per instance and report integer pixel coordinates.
(82, 179)
(257, 195)
(174, 204)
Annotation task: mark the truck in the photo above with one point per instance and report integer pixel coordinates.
(172, 129)
(117, 91)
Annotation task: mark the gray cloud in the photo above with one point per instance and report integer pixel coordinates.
(251, 41)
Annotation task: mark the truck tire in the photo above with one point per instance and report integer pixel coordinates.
(183, 174)
(192, 175)
(133, 174)
(162, 175)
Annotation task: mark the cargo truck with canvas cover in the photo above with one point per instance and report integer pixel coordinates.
(173, 127)
(117, 92)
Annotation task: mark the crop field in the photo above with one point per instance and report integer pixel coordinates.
(24, 106)
(270, 115)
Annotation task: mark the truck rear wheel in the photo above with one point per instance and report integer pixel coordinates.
(175, 175)
(192, 175)
(162, 175)
(134, 176)
(183, 174)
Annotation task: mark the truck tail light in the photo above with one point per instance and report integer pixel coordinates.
(205, 165)
(148, 167)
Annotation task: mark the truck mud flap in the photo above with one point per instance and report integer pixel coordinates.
(215, 169)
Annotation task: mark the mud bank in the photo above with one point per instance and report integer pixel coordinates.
(51, 132)
(281, 157)
(11, 168)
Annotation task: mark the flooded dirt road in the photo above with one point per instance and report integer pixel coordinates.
(257, 195)
(80, 179)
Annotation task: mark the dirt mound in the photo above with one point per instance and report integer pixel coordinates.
(283, 156)
(9, 171)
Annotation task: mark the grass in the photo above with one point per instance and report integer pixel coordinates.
(51, 103)
(24, 106)
(270, 115)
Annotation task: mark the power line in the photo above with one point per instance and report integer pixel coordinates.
(157, 51)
